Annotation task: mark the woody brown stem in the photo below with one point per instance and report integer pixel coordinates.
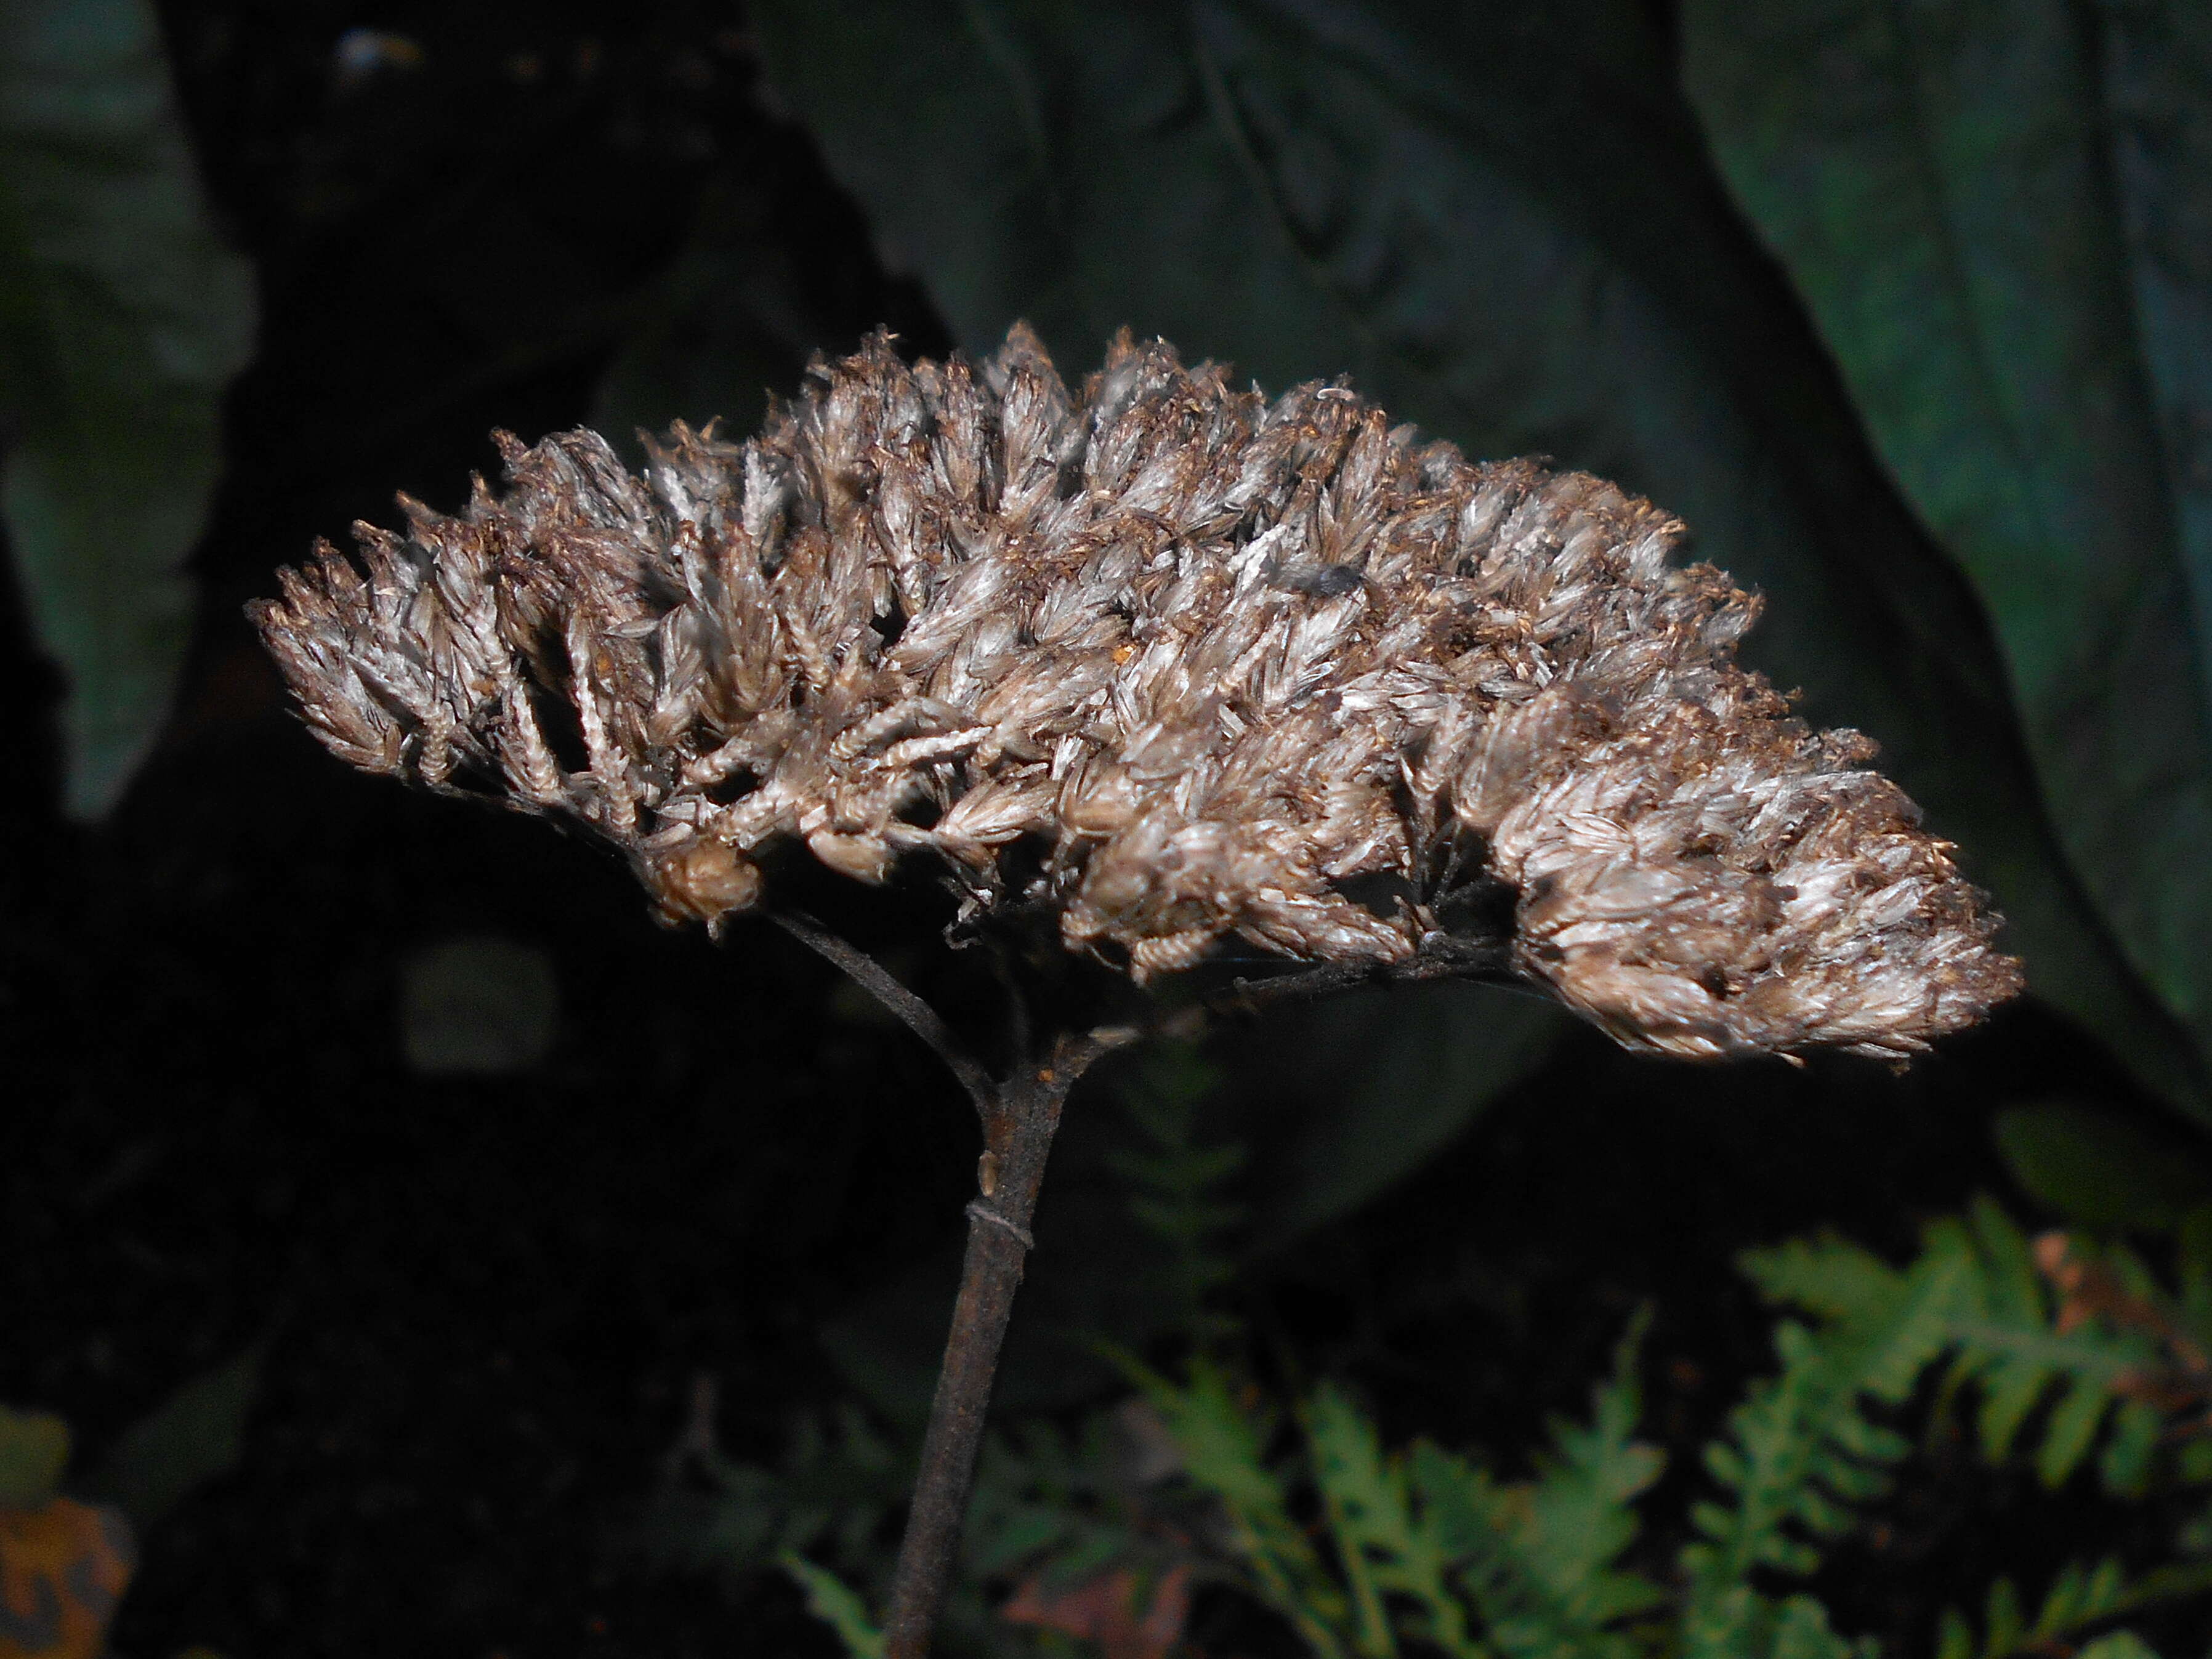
(1018, 1137)
(1020, 1116)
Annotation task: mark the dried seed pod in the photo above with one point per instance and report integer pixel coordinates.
(1225, 665)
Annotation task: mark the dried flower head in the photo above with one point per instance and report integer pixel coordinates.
(1178, 662)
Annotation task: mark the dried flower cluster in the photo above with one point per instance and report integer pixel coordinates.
(1179, 662)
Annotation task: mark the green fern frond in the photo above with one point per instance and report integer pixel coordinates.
(1422, 1545)
(1049, 1501)
(2080, 1599)
(1418, 1537)
(1801, 1454)
(829, 1598)
(1379, 1543)
(1387, 1540)
(1542, 1560)
(2000, 1318)
(1175, 1183)
(1224, 1446)
(2009, 1343)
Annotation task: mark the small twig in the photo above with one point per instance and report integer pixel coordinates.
(1442, 957)
(920, 1017)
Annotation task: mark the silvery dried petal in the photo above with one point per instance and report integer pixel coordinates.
(1225, 668)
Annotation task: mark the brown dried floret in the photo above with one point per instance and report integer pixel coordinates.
(1227, 667)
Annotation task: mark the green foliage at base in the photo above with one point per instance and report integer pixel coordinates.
(1424, 1545)
(834, 1605)
(2071, 1359)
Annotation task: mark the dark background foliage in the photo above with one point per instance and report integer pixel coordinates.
(484, 1299)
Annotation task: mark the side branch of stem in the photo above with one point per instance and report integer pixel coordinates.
(918, 1016)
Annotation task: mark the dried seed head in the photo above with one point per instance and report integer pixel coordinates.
(1228, 667)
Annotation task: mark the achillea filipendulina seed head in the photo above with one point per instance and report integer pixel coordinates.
(1221, 666)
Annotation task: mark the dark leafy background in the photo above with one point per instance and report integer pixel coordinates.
(1905, 310)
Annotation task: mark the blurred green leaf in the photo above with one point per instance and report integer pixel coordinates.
(2119, 1644)
(122, 319)
(1385, 1081)
(1941, 182)
(2156, 61)
(2097, 1170)
(193, 1436)
(478, 1005)
(725, 324)
(34, 1449)
(1458, 207)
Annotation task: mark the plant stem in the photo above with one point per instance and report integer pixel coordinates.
(1017, 1142)
(1020, 1117)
